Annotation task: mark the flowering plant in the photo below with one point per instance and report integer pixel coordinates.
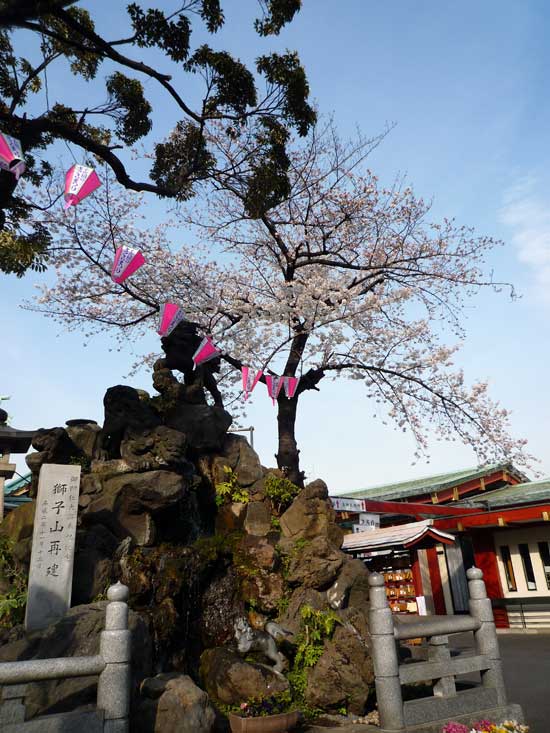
(263, 706)
(486, 726)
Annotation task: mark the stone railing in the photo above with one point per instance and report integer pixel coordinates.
(112, 664)
(440, 667)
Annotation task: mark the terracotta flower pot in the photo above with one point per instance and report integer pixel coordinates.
(266, 724)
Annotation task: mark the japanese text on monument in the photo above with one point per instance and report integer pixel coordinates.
(51, 569)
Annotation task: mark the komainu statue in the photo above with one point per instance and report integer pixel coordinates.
(254, 640)
(179, 348)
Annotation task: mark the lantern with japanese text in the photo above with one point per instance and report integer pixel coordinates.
(205, 352)
(274, 385)
(170, 315)
(80, 181)
(291, 384)
(11, 155)
(126, 262)
(250, 380)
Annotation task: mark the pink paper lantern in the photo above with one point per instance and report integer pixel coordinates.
(11, 155)
(170, 316)
(291, 384)
(205, 352)
(274, 385)
(126, 262)
(250, 380)
(80, 181)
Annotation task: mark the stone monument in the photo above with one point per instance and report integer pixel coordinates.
(53, 543)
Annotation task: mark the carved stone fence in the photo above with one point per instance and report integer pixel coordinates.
(112, 664)
(441, 667)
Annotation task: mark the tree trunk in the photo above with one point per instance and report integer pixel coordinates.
(288, 456)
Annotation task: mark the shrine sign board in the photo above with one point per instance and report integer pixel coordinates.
(53, 542)
(369, 521)
(347, 505)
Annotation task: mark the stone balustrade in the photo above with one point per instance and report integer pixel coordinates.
(112, 664)
(441, 667)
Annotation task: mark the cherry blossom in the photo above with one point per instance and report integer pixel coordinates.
(345, 278)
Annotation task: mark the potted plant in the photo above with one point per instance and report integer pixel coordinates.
(266, 715)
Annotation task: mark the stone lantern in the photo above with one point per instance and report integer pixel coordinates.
(11, 441)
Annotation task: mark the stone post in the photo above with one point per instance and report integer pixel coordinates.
(438, 651)
(12, 704)
(385, 659)
(486, 636)
(113, 690)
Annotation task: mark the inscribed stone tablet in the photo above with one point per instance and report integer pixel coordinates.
(53, 541)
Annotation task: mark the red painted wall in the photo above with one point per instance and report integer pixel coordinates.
(485, 558)
(435, 577)
(417, 576)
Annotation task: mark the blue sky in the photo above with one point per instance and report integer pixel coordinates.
(466, 85)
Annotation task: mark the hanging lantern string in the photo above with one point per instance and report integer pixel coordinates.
(45, 74)
(70, 151)
(46, 88)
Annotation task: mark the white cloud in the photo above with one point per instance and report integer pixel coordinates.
(527, 213)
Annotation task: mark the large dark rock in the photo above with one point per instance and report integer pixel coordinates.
(291, 619)
(53, 445)
(221, 607)
(127, 503)
(315, 565)
(204, 426)
(238, 455)
(86, 435)
(264, 590)
(172, 391)
(344, 675)
(258, 518)
(351, 587)
(93, 563)
(230, 517)
(262, 585)
(173, 704)
(231, 680)
(77, 634)
(125, 411)
(152, 448)
(257, 553)
(18, 525)
(311, 515)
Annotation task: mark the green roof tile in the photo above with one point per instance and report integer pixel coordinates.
(526, 493)
(427, 484)
(17, 483)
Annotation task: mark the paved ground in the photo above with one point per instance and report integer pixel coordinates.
(526, 659)
(527, 674)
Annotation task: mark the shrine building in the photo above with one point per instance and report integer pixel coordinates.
(425, 533)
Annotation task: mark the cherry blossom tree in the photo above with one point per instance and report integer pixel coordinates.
(345, 278)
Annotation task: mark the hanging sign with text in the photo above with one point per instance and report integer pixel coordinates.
(369, 521)
(347, 505)
(53, 541)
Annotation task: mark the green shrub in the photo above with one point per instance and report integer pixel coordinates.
(14, 600)
(280, 491)
(315, 628)
(230, 490)
(283, 604)
(83, 461)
